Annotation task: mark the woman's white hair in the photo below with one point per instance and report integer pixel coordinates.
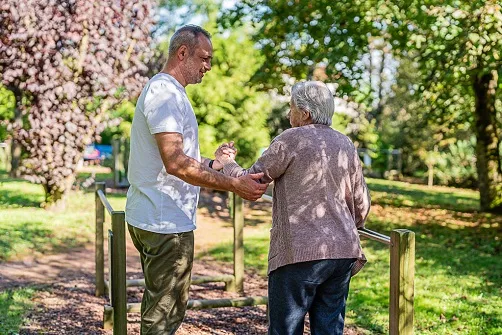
(316, 98)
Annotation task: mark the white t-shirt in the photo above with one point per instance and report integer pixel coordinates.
(157, 201)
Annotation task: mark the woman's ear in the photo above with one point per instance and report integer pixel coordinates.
(305, 115)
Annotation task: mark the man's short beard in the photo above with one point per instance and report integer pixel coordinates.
(192, 77)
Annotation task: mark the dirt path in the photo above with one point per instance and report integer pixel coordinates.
(65, 301)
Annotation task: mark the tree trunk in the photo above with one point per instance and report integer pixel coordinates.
(55, 196)
(15, 149)
(487, 143)
(15, 154)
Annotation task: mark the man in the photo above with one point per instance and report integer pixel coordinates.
(320, 199)
(165, 173)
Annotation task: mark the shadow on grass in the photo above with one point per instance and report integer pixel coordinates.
(445, 256)
(17, 199)
(81, 176)
(456, 266)
(402, 197)
(462, 250)
(29, 237)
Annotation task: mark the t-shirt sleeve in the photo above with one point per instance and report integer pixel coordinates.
(163, 111)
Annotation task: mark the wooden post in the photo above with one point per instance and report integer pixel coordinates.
(108, 317)
(400, 161)
(118, 275)
(231, 204)
(238, 220)
(99, 253)
(402, 277)
(110, 262)
(125, 161)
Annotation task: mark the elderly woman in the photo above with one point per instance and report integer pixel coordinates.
(320, 199)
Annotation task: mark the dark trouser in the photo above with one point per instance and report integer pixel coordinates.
(167, 261)
(319, 288)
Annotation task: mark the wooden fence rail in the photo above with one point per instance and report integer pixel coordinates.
(115, 314)
(402, 265)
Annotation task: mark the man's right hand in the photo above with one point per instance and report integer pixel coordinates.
(249, 188)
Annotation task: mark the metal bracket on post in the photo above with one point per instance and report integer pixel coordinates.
(402, 282)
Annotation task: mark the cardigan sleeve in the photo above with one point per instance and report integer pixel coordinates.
(273, 163)
(361, 194)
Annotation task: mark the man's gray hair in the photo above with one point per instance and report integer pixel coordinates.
(186, 35)
(316, 98)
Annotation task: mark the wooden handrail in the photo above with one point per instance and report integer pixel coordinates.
(373, 235)
(105, 202)
(402, 269)
(402, 275)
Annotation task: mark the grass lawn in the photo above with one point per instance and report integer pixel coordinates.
(27, 229)
(458, 269)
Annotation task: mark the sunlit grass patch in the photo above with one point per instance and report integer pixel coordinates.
(27, 229)
(256, 247)
(14, 304)
(400, 194)
(458, 270)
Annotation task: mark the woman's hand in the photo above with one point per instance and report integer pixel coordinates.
(225, 153)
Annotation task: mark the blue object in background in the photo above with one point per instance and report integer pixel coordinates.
(105, 150)
(98, 152)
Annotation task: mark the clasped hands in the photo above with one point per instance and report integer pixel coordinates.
(247, 186)
(225, 153)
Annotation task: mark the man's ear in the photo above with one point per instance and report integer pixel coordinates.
(182, 52)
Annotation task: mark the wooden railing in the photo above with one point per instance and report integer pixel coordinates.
(115, 313)
(402, 264)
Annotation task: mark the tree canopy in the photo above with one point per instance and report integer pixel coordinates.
(455, 46)
(70, 60)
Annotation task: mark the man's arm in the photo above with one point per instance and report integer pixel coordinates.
(195, 173)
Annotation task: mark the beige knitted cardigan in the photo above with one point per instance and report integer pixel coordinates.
(320, 196)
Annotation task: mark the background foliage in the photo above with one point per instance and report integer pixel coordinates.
(227, 107)
(408, 69)
(416, 70)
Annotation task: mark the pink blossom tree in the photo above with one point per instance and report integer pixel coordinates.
(67, 62)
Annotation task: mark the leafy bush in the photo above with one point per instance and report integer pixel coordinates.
(457, 165)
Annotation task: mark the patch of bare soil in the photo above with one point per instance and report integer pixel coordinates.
(65, 302)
